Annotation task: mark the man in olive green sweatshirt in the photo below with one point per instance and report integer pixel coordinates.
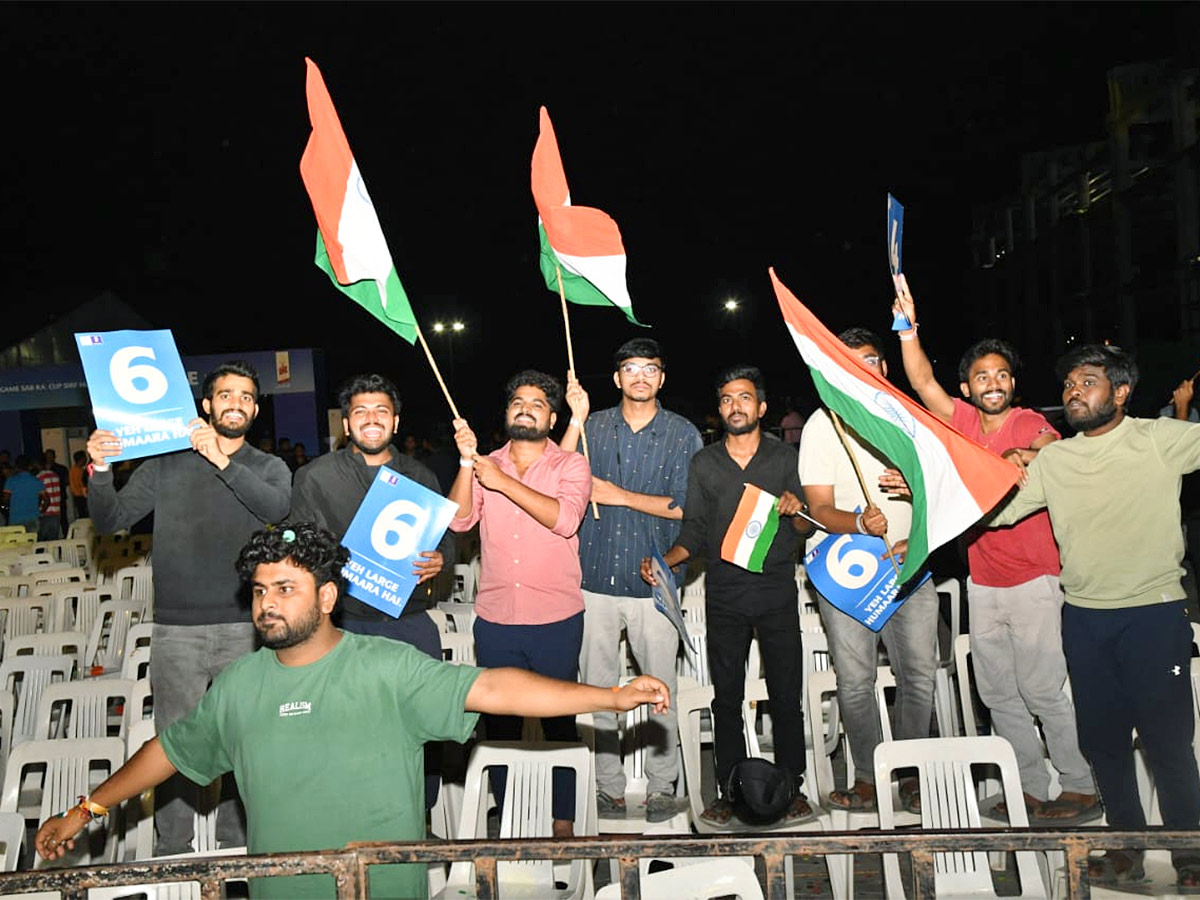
(1112, 492)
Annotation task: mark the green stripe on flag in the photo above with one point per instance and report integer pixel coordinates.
(894, 443)
(398, 316)
(576, 288)
(762, 544)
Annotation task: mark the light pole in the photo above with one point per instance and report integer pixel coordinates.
(450, 329)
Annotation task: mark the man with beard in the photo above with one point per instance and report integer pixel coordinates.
(740, 603)
(1125, 629)
(329, 490)
(324, 728)
(1013, 594)
(206, 502)
(529, 497)
(640, 454)
(827, 471)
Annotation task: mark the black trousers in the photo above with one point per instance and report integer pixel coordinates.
(769, 612)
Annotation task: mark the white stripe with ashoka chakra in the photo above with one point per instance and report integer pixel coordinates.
(364, 248)
(747, 542)
(945, 492)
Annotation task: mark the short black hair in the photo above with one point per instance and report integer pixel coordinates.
(233, 367)
(646, 348)
(1118, 365)
(750, 373)
(367, 384)
(548, 384)
(862, 337)
(80, 456)
(23, 463)
(304, 544)
(988, 347)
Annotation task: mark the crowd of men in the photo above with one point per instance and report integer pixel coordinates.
(1077, 573)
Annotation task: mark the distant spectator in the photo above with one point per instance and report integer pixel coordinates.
(792, 424)
(23, 490)
(299, 456)
(50, 521)
(77, 478)
(267, 445)
(285, 448)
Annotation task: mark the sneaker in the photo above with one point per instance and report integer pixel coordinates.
(660, 806)
(609, 807)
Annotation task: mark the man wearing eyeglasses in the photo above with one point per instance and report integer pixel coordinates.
(640, 454)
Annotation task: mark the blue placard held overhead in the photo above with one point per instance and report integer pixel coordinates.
(847, 571)
(139, 390)
(895, 244)
(396, 521)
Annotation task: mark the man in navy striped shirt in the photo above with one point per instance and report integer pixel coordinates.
(640, 454)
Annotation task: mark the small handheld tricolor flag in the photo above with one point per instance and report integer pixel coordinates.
(752, 530)
(351, 248)
(580, 243)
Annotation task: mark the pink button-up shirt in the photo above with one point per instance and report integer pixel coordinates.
(530, 573)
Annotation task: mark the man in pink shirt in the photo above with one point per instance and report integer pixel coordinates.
(1013, 594)
(528, 498)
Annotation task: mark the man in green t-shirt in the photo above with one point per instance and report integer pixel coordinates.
(323, 728)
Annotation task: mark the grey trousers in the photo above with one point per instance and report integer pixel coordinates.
(910, 636)
(1020, 670)
(184, 659)
(654, 642)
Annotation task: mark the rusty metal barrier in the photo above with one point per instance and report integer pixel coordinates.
(349, 866)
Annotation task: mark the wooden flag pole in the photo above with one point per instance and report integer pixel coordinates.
(562, 296)
(862, 482)
(437, 372)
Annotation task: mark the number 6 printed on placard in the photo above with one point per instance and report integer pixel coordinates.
(397, 528)
(122, 372)
(841, 566)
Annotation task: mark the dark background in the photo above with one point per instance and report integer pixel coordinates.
(153, 149)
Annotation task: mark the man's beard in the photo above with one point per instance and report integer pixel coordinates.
(227, 431)
(745, 428)
(286, 635)
(368, 448)
(517, 432)
(1090, 421)
(977, 402)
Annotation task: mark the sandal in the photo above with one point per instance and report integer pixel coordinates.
(1116, 867)
(1187, 873)
(910, 795)
(1069, 809)
(798, 812)
(860, 798)
(1032, 805)
(719, 812)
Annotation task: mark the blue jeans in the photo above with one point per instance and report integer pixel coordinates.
(183, 661)
(910, 636)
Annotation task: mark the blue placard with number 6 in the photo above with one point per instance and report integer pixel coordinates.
(848, 572)
(396, 521)
(139, 390)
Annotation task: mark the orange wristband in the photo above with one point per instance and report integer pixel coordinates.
(616, 689)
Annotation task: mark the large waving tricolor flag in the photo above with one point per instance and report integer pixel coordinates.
(749, 535)
(581, 242)
(351, 248)
(954, 481)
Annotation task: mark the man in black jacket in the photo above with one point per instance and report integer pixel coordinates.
(329, 490)
(207, 502)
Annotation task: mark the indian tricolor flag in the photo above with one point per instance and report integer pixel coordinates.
(954, 481)
(754, 524)
(351, 248)
(578, 242)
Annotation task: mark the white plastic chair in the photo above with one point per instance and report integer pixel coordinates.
(464, 583)
(440, 622)
(949, 801)
(729, 877)
(462, 615)
(106, 642)
(140, 704)
(695, 667)
(527, 814)
(25, 677)
(458, 648)
(72, 769)
(943, 698)
(83, 709)
(33, 613)
(137, 663)
(12, 836)
(54, 643)
(136, 583)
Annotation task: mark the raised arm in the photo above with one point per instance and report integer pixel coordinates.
(146, 768)
(917, 366)
(518, 692)
(579, 404)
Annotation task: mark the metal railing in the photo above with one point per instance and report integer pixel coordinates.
(349, 866)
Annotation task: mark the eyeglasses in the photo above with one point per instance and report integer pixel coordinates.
(632, 368)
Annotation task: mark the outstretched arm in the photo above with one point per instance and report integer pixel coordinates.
(518, 692)
(917, 366)
(145, 769)
(579, 404)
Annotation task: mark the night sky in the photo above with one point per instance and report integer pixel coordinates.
(153, 150)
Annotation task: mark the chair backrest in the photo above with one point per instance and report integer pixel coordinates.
(87, 607)
(949, 800)
(527, 809)
(952, 588)
(464, 583)
(137, 662)
(81, 528)
(135, 583)
(106, 642)
(32, 613)
(8, 705)
(53, 643)
(25, 677)
(462, 615)
(440, 621)
(57, 574)
(690, 703)
(140, 705)
(458, 648)
(71, 769)
(83, 709)
(696, 666)
(12, 836)
(706, 880)
(966, 697)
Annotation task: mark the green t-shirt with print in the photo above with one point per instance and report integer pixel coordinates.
(327, 753)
